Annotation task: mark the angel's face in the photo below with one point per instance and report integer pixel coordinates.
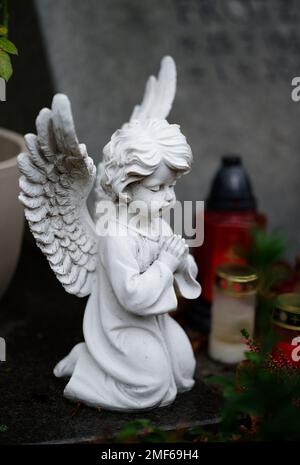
(156, 191)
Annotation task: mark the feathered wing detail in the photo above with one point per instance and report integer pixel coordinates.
(159, 93)
(57, 176)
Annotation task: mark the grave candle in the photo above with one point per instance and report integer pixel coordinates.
(233, 309)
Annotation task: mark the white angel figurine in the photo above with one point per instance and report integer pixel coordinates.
(134, 356)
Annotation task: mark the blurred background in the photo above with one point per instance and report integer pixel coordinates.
(235, 61)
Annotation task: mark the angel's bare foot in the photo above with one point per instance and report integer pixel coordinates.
(66, 366)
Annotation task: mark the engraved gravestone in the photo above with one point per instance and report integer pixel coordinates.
(236, 60)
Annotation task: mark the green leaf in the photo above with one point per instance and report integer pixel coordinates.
(5, 66)
(254, 357)
(226, 381)
(245, 333)
(3, 30)
(8, 46)
(267, 247)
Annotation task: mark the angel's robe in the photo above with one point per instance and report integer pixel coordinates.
(135, 355)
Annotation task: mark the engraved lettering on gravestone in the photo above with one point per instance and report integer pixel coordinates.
(234, 30)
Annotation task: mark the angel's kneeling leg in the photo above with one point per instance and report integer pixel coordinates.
(133, 383)
(181, 352)
(152, 381)
(66, 366)
(139, 378)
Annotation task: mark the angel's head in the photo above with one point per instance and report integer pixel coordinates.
(143, 161)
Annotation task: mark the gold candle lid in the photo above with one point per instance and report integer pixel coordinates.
(236, 279)
(286, 312)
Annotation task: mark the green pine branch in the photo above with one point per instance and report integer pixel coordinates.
(262, 399)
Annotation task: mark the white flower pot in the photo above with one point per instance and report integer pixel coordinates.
(11, 211)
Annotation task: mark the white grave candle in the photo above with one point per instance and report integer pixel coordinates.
(233, 309)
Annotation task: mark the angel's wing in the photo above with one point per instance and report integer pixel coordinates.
(159, 93)
(57, 176)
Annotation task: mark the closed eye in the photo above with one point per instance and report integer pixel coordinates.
(158, 188)
(154, 188)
